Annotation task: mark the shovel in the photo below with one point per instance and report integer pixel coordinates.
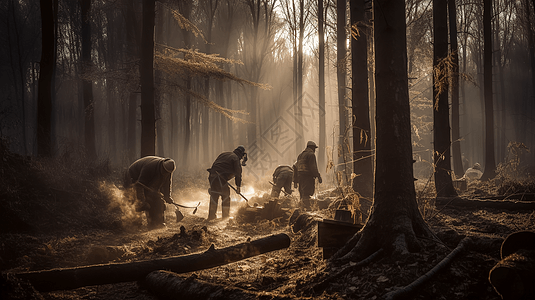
(183, 206)
(239, 193)
(234, 189)
(281, 190)
(179, 215)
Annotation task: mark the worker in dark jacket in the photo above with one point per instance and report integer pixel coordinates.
(306, 171)
(151, 178)
(226, 166)
(282, 178)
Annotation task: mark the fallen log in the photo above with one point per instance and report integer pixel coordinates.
(169, 285)
(496, 204)
(71, 278)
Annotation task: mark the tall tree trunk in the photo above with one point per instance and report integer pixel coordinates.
(131, 144)
(112, 122)
(254, 7)
(185, 8)
(44, 100)
(300, 69)
(395, 216)
(321, 53)
(341, 78)
(15, 46)
(146, 70)
(531, 43)
(490, 164)
(111, 85)
(87, 82)
(159, 96)
(297, 112)
(441, 123)
(208, 150)
(501, 143)
(362, 158)
(133, 41)
(455, 105)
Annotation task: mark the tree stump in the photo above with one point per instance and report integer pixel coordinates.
(514, 276)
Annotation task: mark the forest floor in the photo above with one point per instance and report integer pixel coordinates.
(60, 215)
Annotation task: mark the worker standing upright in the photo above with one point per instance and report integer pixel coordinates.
(226, 166)
(306, 171)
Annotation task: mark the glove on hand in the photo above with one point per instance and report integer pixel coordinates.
(238, 190)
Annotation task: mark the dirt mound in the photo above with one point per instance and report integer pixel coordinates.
(46, 195)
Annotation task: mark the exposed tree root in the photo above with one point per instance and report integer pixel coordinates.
(424, 278)
(319, 287)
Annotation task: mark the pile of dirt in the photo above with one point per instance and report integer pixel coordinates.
(49, 195)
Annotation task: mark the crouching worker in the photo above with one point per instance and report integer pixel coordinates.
(282, 178)
(226, 166)
(151, 177)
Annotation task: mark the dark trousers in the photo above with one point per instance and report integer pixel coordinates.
(218, 188)
(155, 214)
(307, 187)
(282, 181)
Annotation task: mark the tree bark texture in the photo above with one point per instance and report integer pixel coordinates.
(87, 82)
(321, 100)
(133, 43)
(146, 70)
(362, 158)
(341, 70)
(168, 285)
(71, 278)
(490, 163)
(455, 103)
(394, 215)
(441, 116)
(46, 73)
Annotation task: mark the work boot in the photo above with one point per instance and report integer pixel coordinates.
(211, 217)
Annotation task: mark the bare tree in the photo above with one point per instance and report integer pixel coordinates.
(341, 72)
(490, 163)
(133, 40)
(362, 158)
(394, 215)
(441, 118)
(261, 13)
(321, 100)
(146, 70)
(87, 82)
(209, 9)
(454, 78)
(44, 102)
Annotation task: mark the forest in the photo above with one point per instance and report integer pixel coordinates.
(402, 98)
